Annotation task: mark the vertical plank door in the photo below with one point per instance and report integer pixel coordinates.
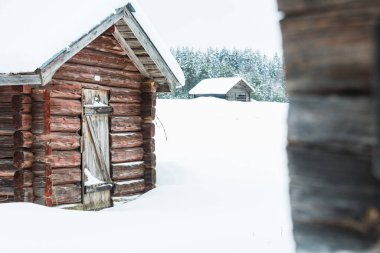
(97, 182)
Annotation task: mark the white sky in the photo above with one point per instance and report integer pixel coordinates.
(217, 23)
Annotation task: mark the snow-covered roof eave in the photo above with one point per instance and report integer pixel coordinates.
(44, 73)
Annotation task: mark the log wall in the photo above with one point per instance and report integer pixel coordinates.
(40, 134)
(15, 107)
(329, 55)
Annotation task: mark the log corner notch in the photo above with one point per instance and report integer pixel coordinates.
(148, 111)
(22, 139)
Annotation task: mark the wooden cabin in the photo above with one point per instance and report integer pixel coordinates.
(333, 121)
(77, 127)
(229, 88)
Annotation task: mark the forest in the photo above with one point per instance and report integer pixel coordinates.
(265, 74)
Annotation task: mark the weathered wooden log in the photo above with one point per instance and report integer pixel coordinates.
(102, 59)
(65, 89)
(106, 43)
(24, 194)
(126, 124)
(57, 177)
(8, 172)
(101, 71)
(149, 145)
(7, 92)
(330, 125)
(6, 192)
(148, 113)
(150, 177)
(6, 153)
(57, 124)
(5, 165)
(22, 104)
(59, 159)
(332, 194)
(57, 141)
(126, 188)
(6, 141)
(40, 95)
(61, 194)
(329, 32)
(22, 139)
(125, 171)
(149, 86)
(148, 99)
(22, 122)
(125, 96)
(126, 140)
(108, 80)
(23, 159)
(7, 182)
(65, 107)
(6, 109)
(150, 160)
(303, 6)
(122, 109)
(126, 155)
(148, 130)
(23, 178)
(7, 126)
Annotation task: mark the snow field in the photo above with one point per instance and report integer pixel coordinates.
(222, 187)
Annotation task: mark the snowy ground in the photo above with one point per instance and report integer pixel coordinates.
(222, 188)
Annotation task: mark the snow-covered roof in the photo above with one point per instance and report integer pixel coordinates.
(35, 33)
(217, 86)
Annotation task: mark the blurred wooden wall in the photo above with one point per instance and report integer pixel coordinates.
(329, 50)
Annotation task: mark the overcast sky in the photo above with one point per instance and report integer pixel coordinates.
(217, 23)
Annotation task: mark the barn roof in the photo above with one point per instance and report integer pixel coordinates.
(39, 36)
(217, 86)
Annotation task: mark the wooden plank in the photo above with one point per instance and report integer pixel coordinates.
(126, 140)
(125, 171)
(126, 124)
(126, 155)
(129, 51)
(96, 156)
(340, 123)
(20, 79)
(126, 188)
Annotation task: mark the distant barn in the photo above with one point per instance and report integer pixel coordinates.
(231, 88)
(77, 102)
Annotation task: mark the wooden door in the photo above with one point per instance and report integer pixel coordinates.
(97, 182)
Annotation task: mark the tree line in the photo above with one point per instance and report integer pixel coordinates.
(265, 74)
